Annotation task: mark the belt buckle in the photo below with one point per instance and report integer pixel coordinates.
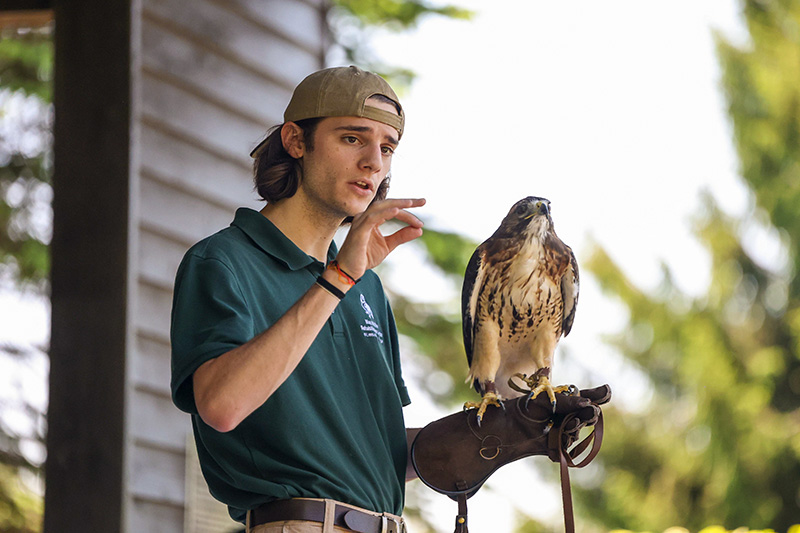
(388, 521)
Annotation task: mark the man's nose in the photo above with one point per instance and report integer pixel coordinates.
(372, 158)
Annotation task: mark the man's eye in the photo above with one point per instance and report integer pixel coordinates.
(350, 139)
(387, 150)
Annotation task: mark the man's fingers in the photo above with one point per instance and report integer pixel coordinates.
(408, 218)
(406, 203)
(399, 203)
(401, 236)
(393, 208)
(365, 246)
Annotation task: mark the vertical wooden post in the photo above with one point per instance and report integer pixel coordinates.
(85, 469)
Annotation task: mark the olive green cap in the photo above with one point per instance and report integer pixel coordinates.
(341, 92)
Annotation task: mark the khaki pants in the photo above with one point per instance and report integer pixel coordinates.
(302, 526)
(294, 526)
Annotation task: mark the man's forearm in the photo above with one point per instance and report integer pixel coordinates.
(230, 387)
(411, 434)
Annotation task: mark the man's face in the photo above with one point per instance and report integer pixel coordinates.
(350, 159)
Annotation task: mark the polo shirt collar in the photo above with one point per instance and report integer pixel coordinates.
(270, 239)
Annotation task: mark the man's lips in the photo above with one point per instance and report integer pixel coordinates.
(363, 184)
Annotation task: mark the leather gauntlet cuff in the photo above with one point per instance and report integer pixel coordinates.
(455, 456)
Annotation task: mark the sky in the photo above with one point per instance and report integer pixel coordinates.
(612, 110)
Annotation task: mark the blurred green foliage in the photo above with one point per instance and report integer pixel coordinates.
(720, 441)
(398, 14)
(26, 61)
(26, 72)
(353, 22)
(20, 508)
(718, 529)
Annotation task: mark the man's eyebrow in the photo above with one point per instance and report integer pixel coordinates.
(364, 129)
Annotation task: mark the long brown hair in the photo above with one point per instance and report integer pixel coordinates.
(276, 173)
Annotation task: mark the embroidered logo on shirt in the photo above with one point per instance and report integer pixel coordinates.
(370, 328)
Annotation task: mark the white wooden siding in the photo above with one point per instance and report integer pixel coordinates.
(214, 76)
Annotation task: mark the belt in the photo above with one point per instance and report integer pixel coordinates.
(314, 511)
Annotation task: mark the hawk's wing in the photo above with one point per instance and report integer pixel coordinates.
(473, 279)
(570, 285)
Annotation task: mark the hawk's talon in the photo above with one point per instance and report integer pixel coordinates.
(490, 398)
(538, 383)
(524, 378)
(528, 399)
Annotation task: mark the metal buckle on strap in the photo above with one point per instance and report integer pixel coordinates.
(390, 524)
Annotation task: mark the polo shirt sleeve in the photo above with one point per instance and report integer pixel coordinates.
(402, 390)
(209, 318)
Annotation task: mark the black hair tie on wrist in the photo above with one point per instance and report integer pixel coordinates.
(328, 286)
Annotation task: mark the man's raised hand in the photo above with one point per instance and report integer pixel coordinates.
(365, 246)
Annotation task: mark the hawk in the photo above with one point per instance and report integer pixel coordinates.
(519, 297)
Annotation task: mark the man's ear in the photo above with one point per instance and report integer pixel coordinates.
(292, 139)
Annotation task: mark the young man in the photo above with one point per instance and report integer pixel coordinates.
(284, 349)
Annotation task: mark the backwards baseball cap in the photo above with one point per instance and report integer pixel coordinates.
(341, 92)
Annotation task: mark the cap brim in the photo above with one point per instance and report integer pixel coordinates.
(255, 151)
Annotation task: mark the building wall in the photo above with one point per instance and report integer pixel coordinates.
(211, 76)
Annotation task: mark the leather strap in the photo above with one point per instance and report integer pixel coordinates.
(314, 511)
(566, 459)
(461, 517)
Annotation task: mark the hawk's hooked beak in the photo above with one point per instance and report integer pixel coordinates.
(540, 208)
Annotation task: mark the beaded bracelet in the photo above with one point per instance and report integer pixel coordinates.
(344, 277)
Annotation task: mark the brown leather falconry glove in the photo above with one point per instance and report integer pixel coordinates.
(455, 456)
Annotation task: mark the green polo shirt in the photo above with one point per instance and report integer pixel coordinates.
(334, 428)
